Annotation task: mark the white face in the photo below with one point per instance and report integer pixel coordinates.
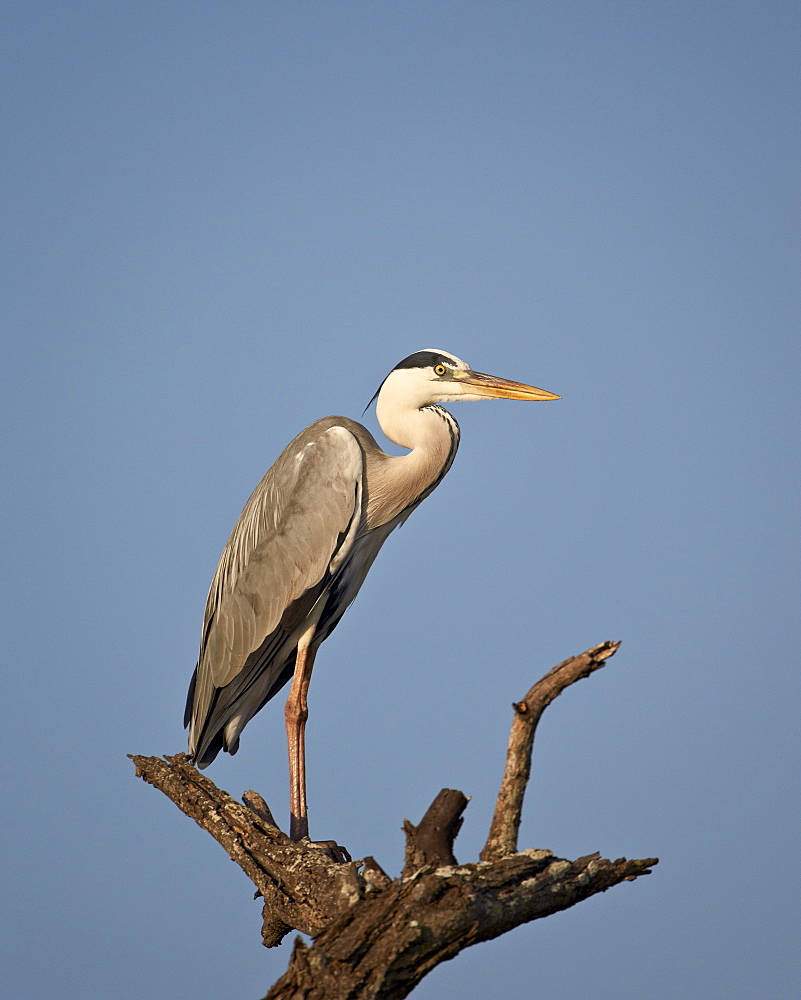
(435, 376)
(416, 383)
(445, 378)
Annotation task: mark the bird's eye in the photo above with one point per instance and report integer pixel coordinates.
(440, 369)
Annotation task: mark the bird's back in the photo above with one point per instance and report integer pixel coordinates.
(297, 526)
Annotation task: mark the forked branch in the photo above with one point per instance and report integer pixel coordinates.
(374, 936)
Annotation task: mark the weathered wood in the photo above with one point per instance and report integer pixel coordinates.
(385, 946)
(302, 887)
(502, 839)
(431, 842)
(375, 937)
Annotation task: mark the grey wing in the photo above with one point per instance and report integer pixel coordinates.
(295, 530)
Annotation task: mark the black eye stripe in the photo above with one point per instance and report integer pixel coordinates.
(425, 359)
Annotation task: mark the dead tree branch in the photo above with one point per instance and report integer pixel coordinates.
(431, 843)
(502, 837)
(385, 947)
(301, 887)
(378, 937)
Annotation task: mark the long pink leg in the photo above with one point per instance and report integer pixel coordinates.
(296, 712)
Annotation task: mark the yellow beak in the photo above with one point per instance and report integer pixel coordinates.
(504, 388)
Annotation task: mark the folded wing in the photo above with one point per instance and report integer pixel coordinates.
(295, 530)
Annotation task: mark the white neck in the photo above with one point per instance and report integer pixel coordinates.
(431, 434)
(404, 409)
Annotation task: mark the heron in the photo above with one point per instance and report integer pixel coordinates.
(304, 543)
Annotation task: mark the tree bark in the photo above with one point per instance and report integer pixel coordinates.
(502, 837)
(377, 937)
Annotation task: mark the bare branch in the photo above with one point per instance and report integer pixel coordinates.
(302, 888)
(431, 843)
(502, 839)
(431, 918)
(255, 802)
(377, 937)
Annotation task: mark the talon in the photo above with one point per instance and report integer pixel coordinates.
(334, 850)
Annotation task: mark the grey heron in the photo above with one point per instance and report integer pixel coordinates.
(304, 543)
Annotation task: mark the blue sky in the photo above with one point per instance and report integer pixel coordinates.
(222, 221)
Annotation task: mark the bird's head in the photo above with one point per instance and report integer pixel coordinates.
(434, 376)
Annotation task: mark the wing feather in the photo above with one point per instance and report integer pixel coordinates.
(294, 530)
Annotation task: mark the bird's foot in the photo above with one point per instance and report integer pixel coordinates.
(336, 852)
(299, 832)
